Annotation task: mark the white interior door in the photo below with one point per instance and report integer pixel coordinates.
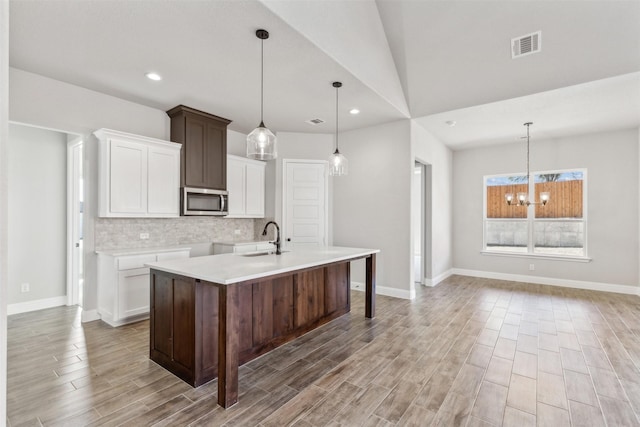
(305, 210)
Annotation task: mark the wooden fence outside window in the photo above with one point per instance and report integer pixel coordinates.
(565, 200)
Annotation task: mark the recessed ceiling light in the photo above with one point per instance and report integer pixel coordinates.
(354, 111)
(154, 76)
(451, 123)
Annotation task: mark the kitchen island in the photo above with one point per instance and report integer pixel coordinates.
(211, 314)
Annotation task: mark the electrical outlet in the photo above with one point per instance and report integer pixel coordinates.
(237, 232)
(24, 287)
(532, 267)
(144, 236)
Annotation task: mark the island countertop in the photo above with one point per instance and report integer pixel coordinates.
(226, 269)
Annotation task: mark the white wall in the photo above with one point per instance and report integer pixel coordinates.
(611, 160)
(372, 205)
(427, 149)
(37, 175)
(236, 143)
(77, 110)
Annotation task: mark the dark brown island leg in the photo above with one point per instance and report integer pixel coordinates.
(370, 296)
(228, 348)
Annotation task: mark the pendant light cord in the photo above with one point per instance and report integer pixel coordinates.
(528, 174)
(261, 80)
(337, 118)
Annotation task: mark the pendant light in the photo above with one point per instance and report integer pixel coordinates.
(522, 197)
(338, 164)
(261, 142)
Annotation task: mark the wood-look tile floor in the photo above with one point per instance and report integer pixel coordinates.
(468, 352)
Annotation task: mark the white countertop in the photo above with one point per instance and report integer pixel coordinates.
(232, 268)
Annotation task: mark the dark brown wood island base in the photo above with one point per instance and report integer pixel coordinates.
(200, 329)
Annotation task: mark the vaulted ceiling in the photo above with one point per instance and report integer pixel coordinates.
(435, 61)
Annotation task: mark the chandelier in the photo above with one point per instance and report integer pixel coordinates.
(522, 197)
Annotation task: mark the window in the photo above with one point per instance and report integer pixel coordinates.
(555, 229)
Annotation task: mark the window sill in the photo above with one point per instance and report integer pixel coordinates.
(538, 256)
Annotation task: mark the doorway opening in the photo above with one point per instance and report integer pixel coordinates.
(421, 218)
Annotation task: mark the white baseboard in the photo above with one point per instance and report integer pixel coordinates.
(40, 304)
(384, 290)
(439, 278)
(577, 284)
(89, 316)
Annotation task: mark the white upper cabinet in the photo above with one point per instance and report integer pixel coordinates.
(163, 187)
(245, 184)
(254, 177)
(138, 176)
(128, 177)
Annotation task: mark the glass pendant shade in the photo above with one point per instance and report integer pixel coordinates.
(522, 198)
(544, 197)
(338, 164)
(261, 144)
(509, 198)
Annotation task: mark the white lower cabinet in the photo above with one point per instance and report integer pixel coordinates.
(123, 285)
(133, 295)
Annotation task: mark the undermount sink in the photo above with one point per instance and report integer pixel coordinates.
(256, 254)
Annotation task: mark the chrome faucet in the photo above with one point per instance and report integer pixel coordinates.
(277, 241)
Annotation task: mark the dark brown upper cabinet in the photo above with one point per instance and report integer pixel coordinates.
(203, 158)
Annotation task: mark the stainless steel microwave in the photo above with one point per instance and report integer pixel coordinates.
(204, 201)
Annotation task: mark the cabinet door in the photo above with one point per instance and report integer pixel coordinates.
(254, 204)
(164, 181)
(216, 156)
(128, 177)
(194, 152)
(235, 186)
(184, 306)
(133, 292)
(161, 326)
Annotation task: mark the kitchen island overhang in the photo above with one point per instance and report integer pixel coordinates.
(209, 315)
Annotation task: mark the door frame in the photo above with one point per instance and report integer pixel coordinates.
(285, 164)
(426, 256)
(73, 175)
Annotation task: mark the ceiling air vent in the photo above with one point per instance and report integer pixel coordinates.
(526, 45)
(315, 121)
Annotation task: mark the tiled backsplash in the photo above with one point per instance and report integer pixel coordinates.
(258, 226)
(124, 233)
